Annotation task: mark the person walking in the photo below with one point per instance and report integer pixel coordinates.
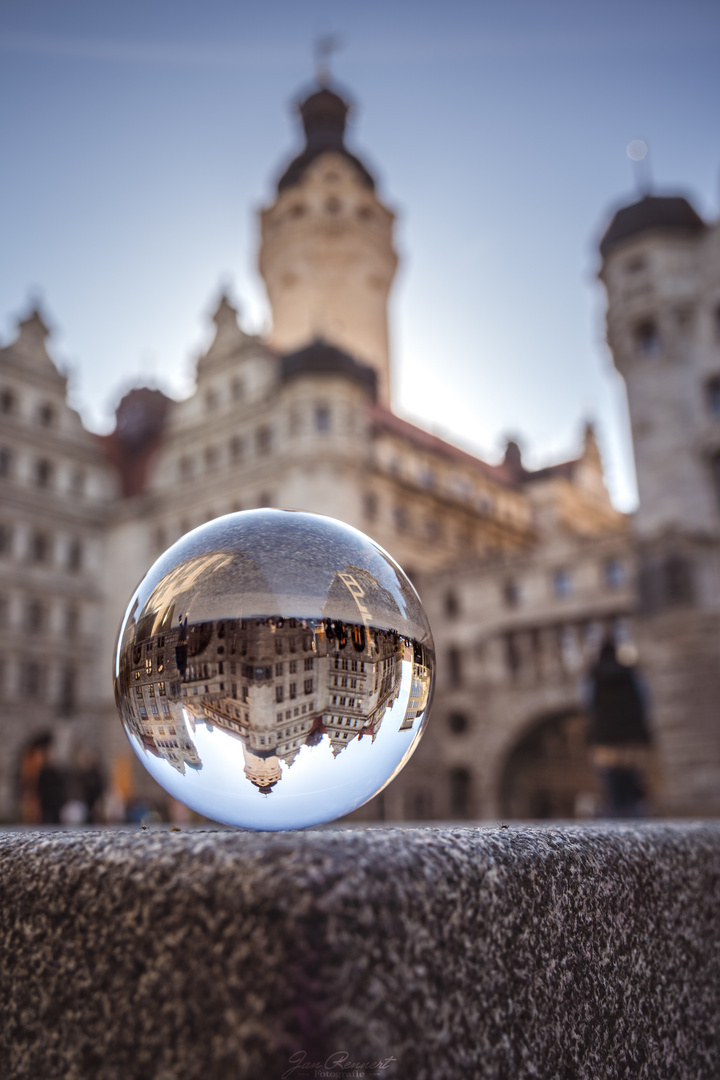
(616, 702)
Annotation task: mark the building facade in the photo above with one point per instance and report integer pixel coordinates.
(522, 572)
(661, 271)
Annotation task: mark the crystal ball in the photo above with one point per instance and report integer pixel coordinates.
(274, 669)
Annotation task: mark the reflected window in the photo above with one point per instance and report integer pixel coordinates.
(647, 338)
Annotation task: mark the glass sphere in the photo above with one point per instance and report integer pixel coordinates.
(274, 669)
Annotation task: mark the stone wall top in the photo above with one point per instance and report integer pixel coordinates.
(437, 953)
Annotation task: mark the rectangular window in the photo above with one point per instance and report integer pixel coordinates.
(279, 694)
(308, 663)
(308, 686)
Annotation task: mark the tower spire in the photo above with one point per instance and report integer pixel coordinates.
(324, 48)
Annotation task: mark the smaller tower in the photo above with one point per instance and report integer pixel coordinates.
(661, 269)
(326, 254)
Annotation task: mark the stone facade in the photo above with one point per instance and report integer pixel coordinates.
(661, 270)
(522, 572)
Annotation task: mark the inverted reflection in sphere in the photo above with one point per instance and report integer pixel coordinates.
(274, 669)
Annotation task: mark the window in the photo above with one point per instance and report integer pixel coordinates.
(647, 338)
(75, 555)
(237, 389)
(296, 211)
(5, 539)
(614, 573)
(323, 418)
(511, 593)
(264, 440)
(308, 686)
(185, 469)
(77, 483)
(452, 608)
(715, 467)
(454, 662)
(401, 518)
(40, 547)
(279, 694)
(7, 402)
(512, 654)
(562, 582)
(5, 461)
(46, 415)
(211, 400)
(370, 505)
(236, 448)
(34, 617)
(32, 682)
(211, 457)
(66, 700)
(43, 473)
(457, 723)
(712, 393)
(332, 205)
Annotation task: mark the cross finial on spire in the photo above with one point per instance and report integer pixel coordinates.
(324, 48)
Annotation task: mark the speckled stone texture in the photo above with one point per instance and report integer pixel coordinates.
(421, 953)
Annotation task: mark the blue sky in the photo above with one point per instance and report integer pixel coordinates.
(140, 139)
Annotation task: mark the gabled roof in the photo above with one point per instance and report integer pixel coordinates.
(320, 357)
(384, 420)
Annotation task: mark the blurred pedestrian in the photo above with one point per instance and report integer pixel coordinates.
(617, 704)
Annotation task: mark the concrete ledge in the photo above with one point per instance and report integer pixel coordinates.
(456, 953)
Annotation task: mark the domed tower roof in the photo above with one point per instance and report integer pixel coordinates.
(666, 213)
(324, 115)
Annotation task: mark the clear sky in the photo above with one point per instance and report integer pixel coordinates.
(139, 140)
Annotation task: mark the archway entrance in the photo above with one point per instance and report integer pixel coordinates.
(548, 773)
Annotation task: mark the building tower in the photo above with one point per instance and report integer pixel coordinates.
(661, 270)
(326, 254)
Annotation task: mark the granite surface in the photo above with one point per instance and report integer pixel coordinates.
(412, 954)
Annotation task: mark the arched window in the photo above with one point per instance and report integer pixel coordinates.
(647, 338)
